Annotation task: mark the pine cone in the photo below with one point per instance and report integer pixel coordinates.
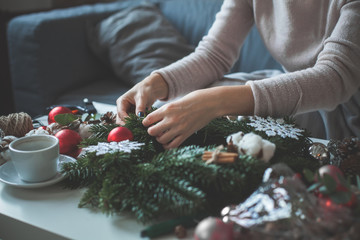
(108, 118)
(346, 155)
(351, 166)
(55, 127)
(344, 148)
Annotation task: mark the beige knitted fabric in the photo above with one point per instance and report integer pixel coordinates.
(317, 42)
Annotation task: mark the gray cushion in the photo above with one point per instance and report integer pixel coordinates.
(137, 40)
(104, 90)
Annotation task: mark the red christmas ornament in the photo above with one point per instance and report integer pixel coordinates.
(75, 153)
(212, 228)
(333, 172)
(119, 134)
(68, 142)
(55, 111)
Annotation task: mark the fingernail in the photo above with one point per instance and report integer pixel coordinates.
(141, 114)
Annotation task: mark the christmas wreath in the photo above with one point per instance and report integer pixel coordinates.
(140, 177)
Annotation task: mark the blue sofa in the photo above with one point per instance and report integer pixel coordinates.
(51, 62)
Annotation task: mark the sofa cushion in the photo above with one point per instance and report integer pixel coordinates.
(105, 90)
(135, 41)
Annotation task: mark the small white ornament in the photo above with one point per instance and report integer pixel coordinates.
(38, 131)
(236, 138)
(84, 130)
(253, 145)
(250, 144)
(268, 150)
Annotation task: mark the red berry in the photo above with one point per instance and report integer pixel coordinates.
(55, 111)
(68, 141)
(119, 134)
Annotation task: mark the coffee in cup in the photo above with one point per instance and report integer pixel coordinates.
(35, 157)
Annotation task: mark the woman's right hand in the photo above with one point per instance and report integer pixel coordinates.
(142, 96)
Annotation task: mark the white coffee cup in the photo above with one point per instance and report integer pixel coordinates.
(36, 157)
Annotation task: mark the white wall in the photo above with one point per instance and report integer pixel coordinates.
(24, 5)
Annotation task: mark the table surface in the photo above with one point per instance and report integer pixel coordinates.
(52, 213)
(54, 209)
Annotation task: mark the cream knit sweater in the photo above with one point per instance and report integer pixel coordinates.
(316, 41)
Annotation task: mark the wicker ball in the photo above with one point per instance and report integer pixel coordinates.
(16, 124)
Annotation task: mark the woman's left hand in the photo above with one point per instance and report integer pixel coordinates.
(174, 122)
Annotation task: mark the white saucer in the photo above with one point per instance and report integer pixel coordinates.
(8, 175)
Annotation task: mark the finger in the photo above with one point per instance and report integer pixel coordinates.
(174, 143)
(142, 105)
(122, 107)
(166, 137)
(122, 114)
(119, 121)
(140, 108)
(159, 129)
(177, 141)
(154, 117)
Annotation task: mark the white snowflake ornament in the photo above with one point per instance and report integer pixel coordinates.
(273, 127)
(112, 147)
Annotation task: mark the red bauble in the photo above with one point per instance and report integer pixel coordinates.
(333, 172)
(212, 228)
(68, 141)
(119, 134)
(75, 153)
(55, 111)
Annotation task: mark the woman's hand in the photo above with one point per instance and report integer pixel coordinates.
(142, 96)
(174, 122)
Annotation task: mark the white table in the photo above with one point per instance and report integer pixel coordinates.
(52, 213)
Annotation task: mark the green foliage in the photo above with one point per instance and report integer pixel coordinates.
(134, 123)
(153, 183)
(65, 118)
(329, 186)
(101, 131)
(175, 182)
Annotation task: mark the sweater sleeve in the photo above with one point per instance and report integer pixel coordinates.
(216, 52)
(333, 79)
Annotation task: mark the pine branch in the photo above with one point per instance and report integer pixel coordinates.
(78, 174)
(101, 131)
